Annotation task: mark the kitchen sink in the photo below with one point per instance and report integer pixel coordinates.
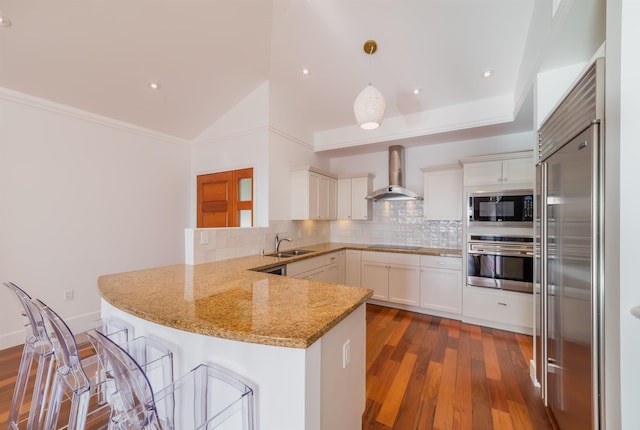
(292, 253)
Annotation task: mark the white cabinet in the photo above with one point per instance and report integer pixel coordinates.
(353, 267)
(501, 309)
(393, 277)
(324, 268)
(515, 171)
(443, 193)
(336, 267)
(314, 194)
(352, 204)
(441, 283)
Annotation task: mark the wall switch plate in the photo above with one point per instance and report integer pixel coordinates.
(346, 353)
(68, 295)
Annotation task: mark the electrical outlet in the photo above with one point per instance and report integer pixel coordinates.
(204, 237)
(68, 295)
(346, 353)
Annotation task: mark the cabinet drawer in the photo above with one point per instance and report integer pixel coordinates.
(438, 262)
(501, 306)
(297, 267)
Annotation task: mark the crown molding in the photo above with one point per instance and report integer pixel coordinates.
(71, 112)
(254, 131)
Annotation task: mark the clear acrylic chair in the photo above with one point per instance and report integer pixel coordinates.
(208, 397)
(38, 348)
(155, 359)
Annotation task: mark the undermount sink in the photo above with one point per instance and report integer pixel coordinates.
(292, 253)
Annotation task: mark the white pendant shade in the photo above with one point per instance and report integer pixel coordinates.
(369, 108)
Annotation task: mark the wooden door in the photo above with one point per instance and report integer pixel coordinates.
(219, 203)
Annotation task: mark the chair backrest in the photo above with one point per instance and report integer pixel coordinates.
(65, 349)
(134, 403)
(35, 329)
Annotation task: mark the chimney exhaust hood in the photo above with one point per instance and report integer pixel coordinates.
(395, 190)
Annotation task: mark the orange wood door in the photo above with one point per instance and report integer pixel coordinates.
(215, 200)
(219, 202)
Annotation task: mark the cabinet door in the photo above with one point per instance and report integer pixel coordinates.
(518, 171)
(404, 285)
(376, 277)
(361, 208)
(344, 198)
(443, 194)
(483, 173)
(314, 196)
(354, 263)
(323, 197)
(332, 274)
(441, 289)
(332, 199)
(339, 260)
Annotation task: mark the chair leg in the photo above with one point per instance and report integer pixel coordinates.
(46, 368)
(20, 387)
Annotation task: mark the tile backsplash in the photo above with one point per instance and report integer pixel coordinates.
(203, 245)
(394, 223)
(399, 223)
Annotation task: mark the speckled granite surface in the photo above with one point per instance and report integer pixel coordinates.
(228, 300)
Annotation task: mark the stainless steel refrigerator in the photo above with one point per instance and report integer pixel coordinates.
(569, 230)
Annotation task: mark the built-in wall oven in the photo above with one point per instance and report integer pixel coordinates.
(502, 262)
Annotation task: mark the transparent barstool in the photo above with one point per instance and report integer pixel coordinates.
(208, 397)
(38, 348)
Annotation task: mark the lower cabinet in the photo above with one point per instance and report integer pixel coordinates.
(441, 283)
(353, 267)
(501, 309)
(393, 277)
(324, 268)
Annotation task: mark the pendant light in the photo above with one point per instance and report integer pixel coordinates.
(370, 104)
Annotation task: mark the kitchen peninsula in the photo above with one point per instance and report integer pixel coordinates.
(301, 343)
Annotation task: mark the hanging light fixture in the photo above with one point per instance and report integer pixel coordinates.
(370, 104)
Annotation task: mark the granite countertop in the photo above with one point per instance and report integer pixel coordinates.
(228, 299)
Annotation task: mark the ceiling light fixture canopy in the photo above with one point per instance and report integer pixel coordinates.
(370, 104)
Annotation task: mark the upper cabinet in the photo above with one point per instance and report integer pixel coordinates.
(502, 171)
(443, 193)
(352, 202)
(314, 194)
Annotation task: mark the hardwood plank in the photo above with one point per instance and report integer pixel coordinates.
(446, 392)
(391, 405)
(463, 402)
(490, 357)
(501, 420)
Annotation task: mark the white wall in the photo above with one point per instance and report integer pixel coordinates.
(622, 387)
(429, 155)
(82, 196)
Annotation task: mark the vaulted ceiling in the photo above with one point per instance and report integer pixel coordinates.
(207, 55)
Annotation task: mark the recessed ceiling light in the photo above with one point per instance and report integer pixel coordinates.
(305, 71)
(487, 73)
(416, 91)
(4, 21)
(154, 85)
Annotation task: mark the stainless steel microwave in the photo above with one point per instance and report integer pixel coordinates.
(501, 207)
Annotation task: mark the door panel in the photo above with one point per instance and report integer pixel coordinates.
(569, 249)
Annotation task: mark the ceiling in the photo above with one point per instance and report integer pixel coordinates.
(207, 55)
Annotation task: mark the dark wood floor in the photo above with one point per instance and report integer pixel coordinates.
(423, 372)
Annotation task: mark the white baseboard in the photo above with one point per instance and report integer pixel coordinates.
(76, 324)
(532, 373)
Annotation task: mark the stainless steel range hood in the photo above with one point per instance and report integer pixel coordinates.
(395, 190)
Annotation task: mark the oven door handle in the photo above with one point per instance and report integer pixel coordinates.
(502, 253)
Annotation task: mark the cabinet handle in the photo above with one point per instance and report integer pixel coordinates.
(505, 179)
(502, 304)
(441, 263)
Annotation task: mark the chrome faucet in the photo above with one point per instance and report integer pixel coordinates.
(277, 241)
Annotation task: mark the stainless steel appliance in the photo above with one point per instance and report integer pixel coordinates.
(276, 270)
(504, 262)
(501, 207)
(569, 270)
